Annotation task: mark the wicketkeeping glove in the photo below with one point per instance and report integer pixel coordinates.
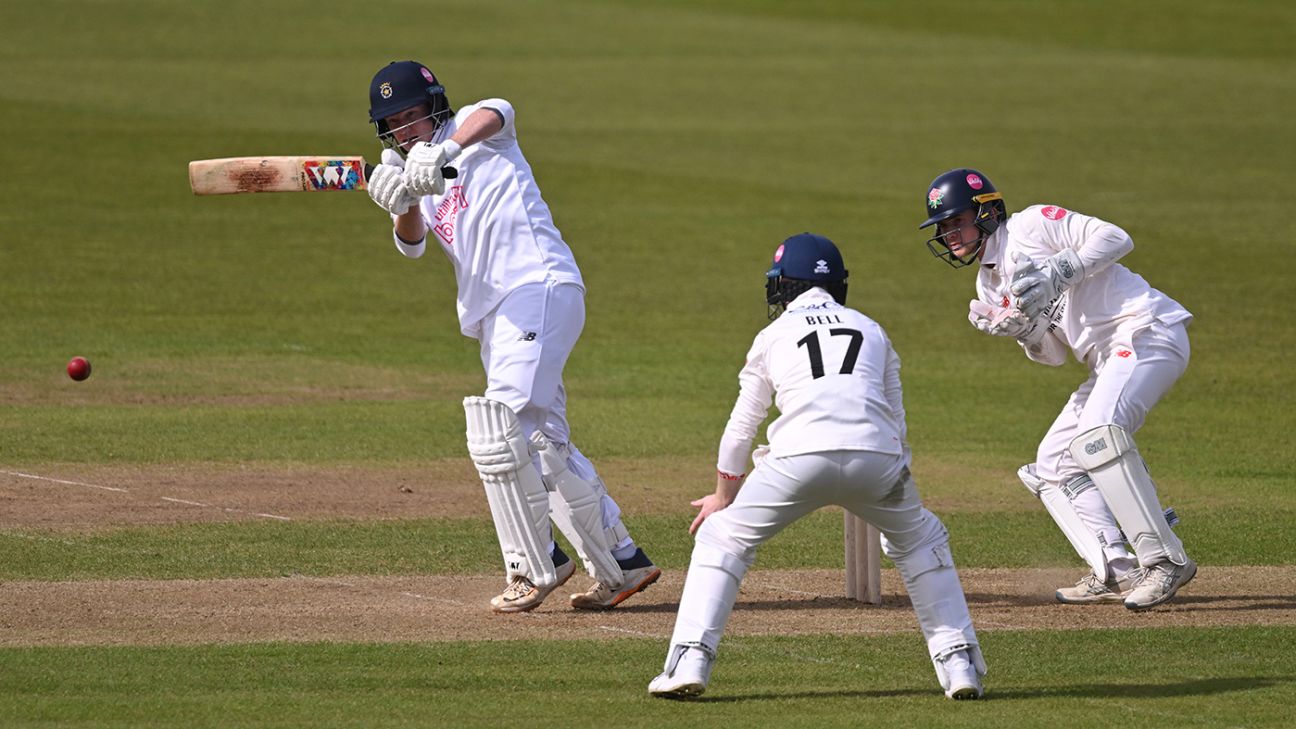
(423, 168)
(387, 185)
(1000, 321)
(1035, 286)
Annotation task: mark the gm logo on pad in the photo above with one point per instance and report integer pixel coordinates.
(1095, 446)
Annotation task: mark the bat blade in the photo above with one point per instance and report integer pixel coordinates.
(233, 175)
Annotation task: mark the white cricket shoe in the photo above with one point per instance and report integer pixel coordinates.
(1089, 590)
(688, 669)
(638, 572)
(523, 595)
(1160, 583)
(960, 675)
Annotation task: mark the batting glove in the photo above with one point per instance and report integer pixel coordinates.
(387, 185)
(423, 168)
(1035, 286)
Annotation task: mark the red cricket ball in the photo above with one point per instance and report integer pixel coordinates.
(79, 368)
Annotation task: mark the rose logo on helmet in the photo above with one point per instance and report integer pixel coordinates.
(935, 197)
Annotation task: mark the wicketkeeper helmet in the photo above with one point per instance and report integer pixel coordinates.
(952, 193)
(402, 85)
(801, 263)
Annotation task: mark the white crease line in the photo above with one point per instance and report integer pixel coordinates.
(417, 596)
(225, 508)
(123, 491)
(611, 629)
(182, 501)
(56, 480)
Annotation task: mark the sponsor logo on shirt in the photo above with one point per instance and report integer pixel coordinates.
(448, 212)
(1053, 212)
(1124, 353)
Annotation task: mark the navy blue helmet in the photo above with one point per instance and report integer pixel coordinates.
(801, 263)
(950, 194)
(402, 85)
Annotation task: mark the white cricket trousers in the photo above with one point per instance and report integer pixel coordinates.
(525, 343)
(1126, 383)
(874, 486)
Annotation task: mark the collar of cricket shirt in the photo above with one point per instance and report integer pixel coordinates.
(814, 298)
(995, 245)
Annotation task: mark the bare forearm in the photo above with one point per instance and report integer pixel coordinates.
(410, 226)
(480, 125)
(727, 487)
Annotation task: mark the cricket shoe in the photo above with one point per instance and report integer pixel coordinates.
(688, 669)
(523, 595)
(1160, 583)
(960, 674)
(638, 572)
(1090, 590)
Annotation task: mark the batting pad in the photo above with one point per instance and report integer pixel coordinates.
(518, 500)
(1109, 455)
(576, 506)
(1083, 541)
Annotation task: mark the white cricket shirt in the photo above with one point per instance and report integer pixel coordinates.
(492, 223)
(1100, 313)
(834, 377)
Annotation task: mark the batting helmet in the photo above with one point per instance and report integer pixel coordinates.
(402, 85)
(801, 263)
(950, 194)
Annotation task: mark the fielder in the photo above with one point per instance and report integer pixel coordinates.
(1048, 277)
(521, 296)
(839, 439)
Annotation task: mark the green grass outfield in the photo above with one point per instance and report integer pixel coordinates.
(677, 142)
(825, 681)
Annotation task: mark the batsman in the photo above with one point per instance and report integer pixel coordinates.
(521, 296)
(1048, 277)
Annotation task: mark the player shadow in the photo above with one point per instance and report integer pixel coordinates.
(1198, 687)
(891, 601)
(1195, 687)
(1245, 602)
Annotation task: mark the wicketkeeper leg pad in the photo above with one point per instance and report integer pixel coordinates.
(518, 500)
(1109, 455)
(576, 506)
(1059, 506)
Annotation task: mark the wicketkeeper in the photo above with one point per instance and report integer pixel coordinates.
(1048, 277)
(521, 296)
(839, 439)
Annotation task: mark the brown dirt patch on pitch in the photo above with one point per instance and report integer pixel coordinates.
(81, 498)
(399, 609)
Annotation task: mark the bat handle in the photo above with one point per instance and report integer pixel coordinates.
(447, 172)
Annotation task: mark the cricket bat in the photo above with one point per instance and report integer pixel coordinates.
(232, 175)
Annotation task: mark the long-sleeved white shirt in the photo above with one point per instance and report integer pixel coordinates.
(834, 377)
(492, 223)
(1099, 313)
